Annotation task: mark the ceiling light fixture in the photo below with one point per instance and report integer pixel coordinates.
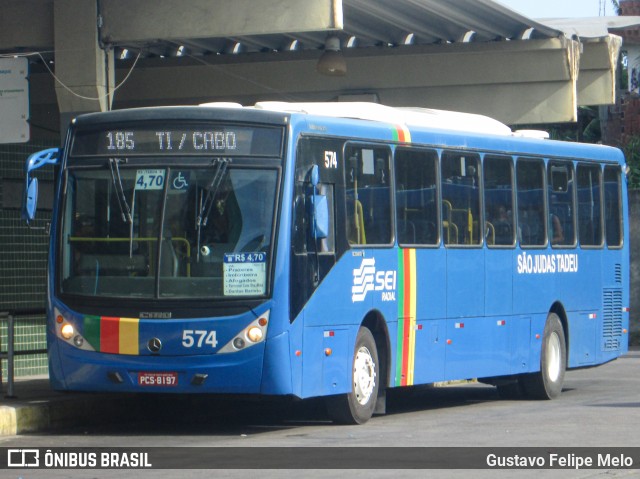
(332, 61)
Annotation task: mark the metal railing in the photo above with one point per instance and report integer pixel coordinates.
(11, 317)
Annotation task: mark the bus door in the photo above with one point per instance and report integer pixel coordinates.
(470, 342)
(511, 334)
(420, 343)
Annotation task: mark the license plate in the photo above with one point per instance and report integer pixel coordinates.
(158, 379)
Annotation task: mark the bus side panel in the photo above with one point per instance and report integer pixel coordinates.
(277, 370)
(327, 354)
(477, 347)
(534, 282)
(585, 283)
(430, 351)
(335, 366)
(431, 283)
(519, 342)
(430, 310)
(330, 318)
(499, 282)
(465, 288)
(295, 354)
(582, 293)
(535, 341)
(56, 375)
(582, 334)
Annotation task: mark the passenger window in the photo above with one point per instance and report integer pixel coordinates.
(589, 205)
(532, 225)
(498, 201)
(561, 208)
(461, 222)
(416, 197)
(612, 206)
(368, 198)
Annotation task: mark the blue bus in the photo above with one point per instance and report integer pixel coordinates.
(329, 249)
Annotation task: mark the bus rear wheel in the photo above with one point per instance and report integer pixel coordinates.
(547, 383)
(357, 406)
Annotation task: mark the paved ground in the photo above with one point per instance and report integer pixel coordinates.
(599, 408)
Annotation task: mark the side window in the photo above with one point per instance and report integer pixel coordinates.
(416, 197)
(589, 205)
(368, 195)
(461, 223)
(498, 201)
(560, 182)
(532, 225)
(613, 206)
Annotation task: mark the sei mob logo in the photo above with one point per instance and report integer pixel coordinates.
(366, 279)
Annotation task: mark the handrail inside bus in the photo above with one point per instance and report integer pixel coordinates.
(85, 239)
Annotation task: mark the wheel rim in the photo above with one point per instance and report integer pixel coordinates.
(554, 357)
(364, 375)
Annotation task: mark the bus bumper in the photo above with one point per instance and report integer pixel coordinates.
(78, 370)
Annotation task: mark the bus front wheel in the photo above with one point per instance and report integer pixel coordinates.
(547, 383)
(357, 406)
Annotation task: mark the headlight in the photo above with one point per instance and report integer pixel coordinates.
(253, 334)
(67, 331)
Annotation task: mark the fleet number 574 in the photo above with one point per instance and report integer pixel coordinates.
(199, 338)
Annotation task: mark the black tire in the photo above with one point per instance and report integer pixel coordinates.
(547, 383)
(357, 406)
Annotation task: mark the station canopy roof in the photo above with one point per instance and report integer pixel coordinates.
(358, 24)
(477, 56)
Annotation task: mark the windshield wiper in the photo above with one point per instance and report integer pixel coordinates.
(125, 211)
(212, 189)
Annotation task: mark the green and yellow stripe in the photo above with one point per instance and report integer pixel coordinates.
(401, 133)
(406, 343)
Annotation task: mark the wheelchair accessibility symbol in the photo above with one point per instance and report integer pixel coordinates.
(179, 182)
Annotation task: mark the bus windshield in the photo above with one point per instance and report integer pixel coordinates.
(161, 233)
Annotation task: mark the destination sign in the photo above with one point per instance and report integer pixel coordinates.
(219, 140)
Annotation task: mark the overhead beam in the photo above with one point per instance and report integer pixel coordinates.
(149, 20)
(598, 65)
(26, 25)
(515, 82)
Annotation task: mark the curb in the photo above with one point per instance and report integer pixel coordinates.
(21, 419)
(74, 411)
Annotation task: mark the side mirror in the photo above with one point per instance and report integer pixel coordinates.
(315, 175)
(30, 200)
(319, 207)
(30, 195)
(320, 216)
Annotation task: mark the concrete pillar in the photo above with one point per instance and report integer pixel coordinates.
(85, 72)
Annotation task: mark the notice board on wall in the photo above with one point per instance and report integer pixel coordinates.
(14, 100)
